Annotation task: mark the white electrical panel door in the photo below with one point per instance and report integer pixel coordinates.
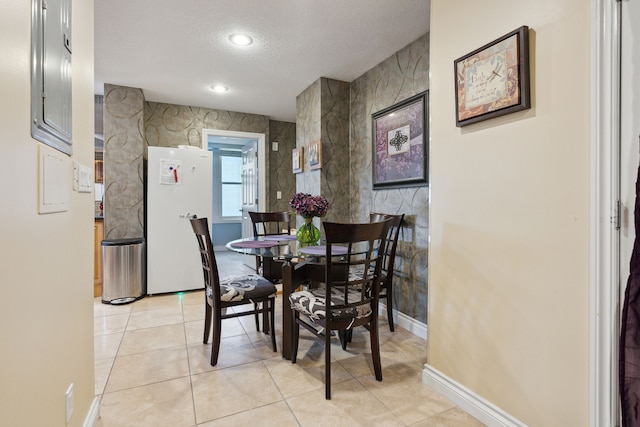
(179, 186)
(51, 76)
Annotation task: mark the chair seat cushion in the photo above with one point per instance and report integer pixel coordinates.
(313, 304)
(248, 287)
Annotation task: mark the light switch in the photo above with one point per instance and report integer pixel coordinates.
(274, 146)
(85, 180)
(76, 175)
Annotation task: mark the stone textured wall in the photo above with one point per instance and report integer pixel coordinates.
(334, 184)
(323, 114)
(308, 129)
(308, 116)
(124, 150)
(399, 77)
(169, 125)
(280, 177)
(131, 124)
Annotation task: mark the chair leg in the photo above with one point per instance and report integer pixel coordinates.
(215, 342)
(265, 318)
(295, 336)
(207, 322)
(375, 349)
(255, 308)
(389, 298)
(344, 338)
(327, 362)
(272, 315)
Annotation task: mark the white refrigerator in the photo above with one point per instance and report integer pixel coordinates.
(179, 186)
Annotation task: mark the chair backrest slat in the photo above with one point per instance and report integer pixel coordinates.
(365, 245)
(270, 223)
(392, 238)
(209, 266)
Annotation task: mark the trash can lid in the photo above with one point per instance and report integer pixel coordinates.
(123, 242)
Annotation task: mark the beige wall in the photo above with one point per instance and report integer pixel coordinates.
(46, 262)
(509, 221)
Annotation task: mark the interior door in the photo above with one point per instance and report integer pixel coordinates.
(629, 136)
(630, 128)
(249, 185)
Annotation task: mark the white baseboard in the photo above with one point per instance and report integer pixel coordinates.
(471, 403)
(412, 325)
(93, 415)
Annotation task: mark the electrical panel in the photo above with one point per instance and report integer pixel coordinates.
(51, 73)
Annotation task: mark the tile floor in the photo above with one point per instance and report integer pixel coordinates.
(153, 370)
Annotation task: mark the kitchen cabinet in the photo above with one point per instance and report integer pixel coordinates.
(98, 235)
(99, 171)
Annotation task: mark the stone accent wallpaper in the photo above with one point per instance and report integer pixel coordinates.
(334, 184)
(323, 113)
(399, 77)
(132, 124)
(308, 116)
(124, 151)
(169, 125)
(281, 178)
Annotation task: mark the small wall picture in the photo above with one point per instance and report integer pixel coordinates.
(315, 154)
(297, 159)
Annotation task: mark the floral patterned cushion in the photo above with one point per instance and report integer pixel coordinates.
(245, 288)
(313, 304)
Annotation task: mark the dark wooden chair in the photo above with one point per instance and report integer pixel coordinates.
(269, 224)
(219, 295)
(389, 259)
(345, 300)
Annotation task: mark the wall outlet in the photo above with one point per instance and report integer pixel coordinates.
(274, 146)
(278, 195)
(69, 402)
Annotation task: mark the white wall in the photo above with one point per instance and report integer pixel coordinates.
(509, 219)
(46, 262)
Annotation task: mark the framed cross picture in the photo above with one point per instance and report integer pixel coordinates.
(400, 144)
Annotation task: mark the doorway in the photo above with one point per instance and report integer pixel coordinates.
(628, 153)
(231, 157)
(616, 130)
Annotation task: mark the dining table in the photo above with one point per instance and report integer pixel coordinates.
(286, 260)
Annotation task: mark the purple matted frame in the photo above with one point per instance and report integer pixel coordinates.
(400, 150)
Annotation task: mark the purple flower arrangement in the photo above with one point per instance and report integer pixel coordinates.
(309, 206)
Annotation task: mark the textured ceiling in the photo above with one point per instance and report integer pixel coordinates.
(174, 50)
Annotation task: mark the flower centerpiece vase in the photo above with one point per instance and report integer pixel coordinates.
(308, 234)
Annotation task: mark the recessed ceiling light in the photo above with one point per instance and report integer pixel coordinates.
(240, 39)
(219, 88)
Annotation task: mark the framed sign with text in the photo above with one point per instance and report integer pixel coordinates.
(493, 80)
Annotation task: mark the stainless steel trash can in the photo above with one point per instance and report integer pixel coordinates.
(123, 272)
